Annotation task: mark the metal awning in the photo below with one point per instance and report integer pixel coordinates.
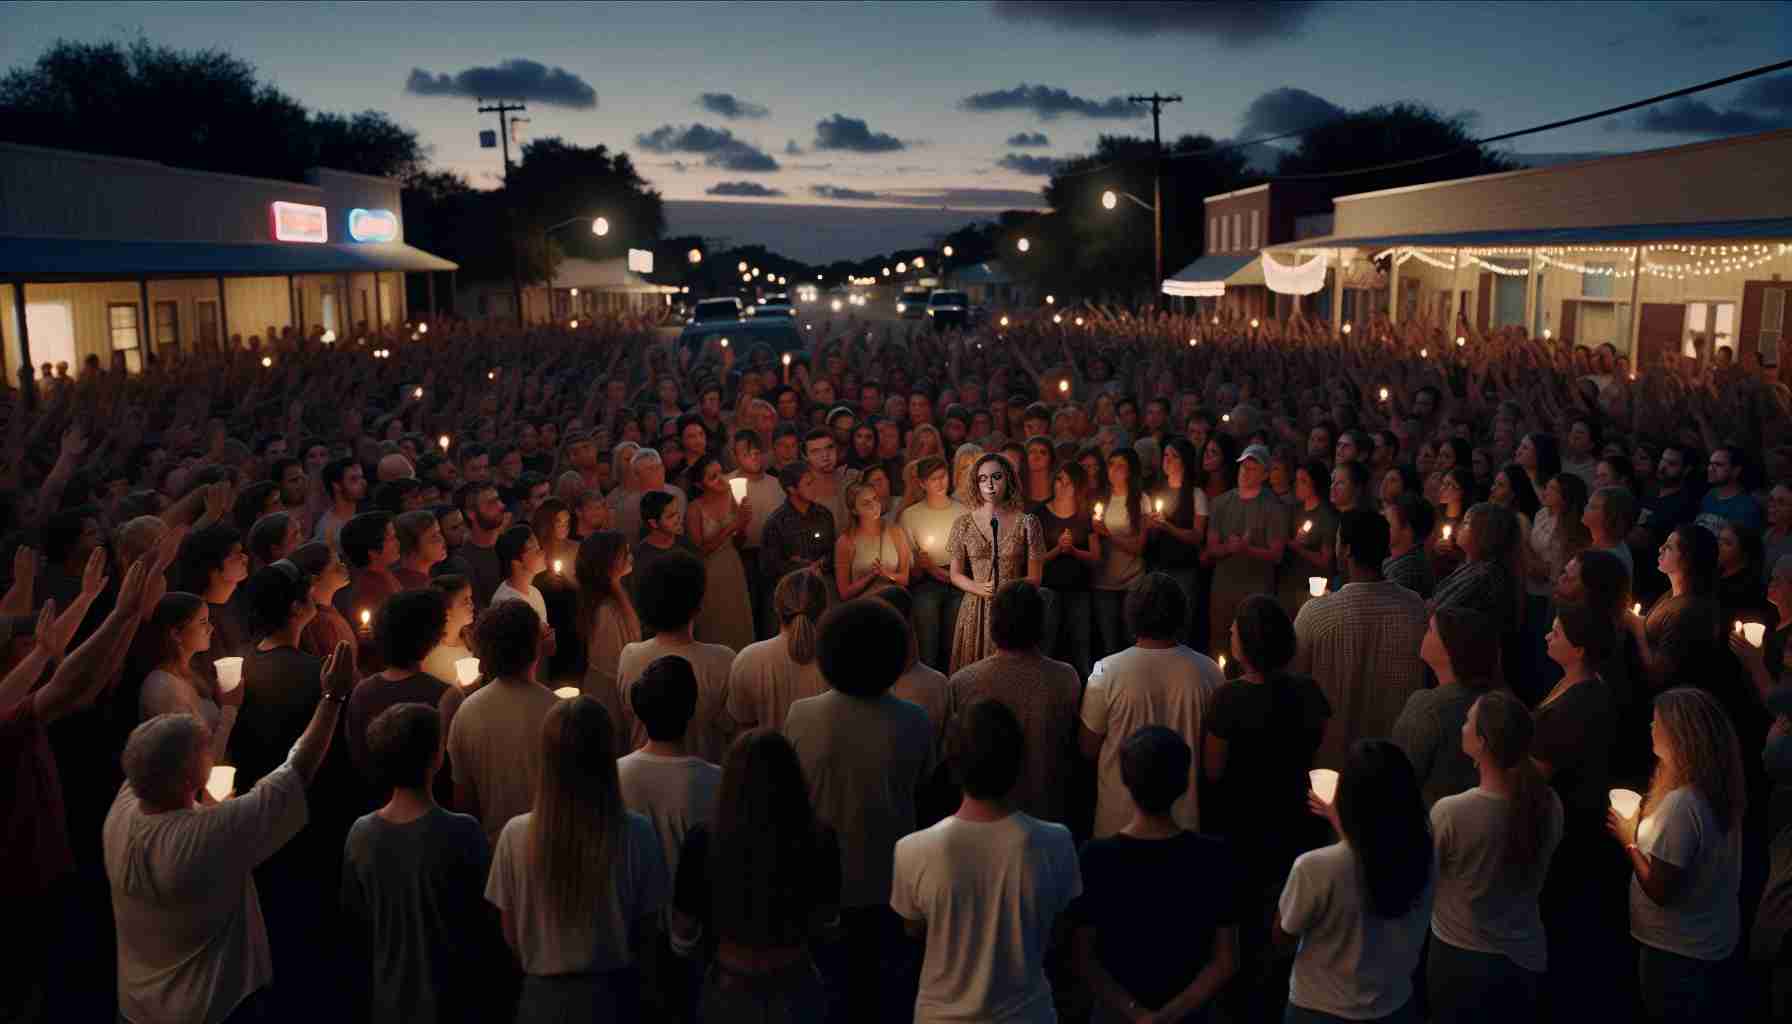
(99, 259)
(1207, 277)
(1617, 234)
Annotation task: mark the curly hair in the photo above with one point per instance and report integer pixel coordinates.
(1011, 490)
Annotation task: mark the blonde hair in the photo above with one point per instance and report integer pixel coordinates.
(851, 499)
(800, 600)
(914, 441)
(964, 461)
(576, 830)
(1705, 755)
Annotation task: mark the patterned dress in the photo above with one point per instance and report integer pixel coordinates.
(970, 637)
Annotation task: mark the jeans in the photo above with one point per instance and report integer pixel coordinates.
(1470, 986)
(1678, 989)
(1408, 1014)
(873, 970)
(1068, 616)
(793, 995)
(1110, 622)
(611, 996)
(936, 613)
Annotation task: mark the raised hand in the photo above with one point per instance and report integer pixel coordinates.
(24, 563)
(93, 576)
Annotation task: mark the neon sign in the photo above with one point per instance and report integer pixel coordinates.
(372, 225)
(297, 222)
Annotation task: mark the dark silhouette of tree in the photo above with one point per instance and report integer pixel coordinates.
(558, 180)
(202, 109)
(1386, 135)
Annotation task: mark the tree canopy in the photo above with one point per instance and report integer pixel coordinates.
(1391, 134)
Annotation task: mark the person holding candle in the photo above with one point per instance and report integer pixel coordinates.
(1310, 548)
(409, 625)
(1741, 594)
(929, 523)
(1122, 526)
(1246, 536)
(716, 527)
(520, 555)
(1684, 852)
(993, 544)
(457, 597)
(870, 554)
(763, 496)
(1359, 908)
(213, 564)
(1765, 661)
(1072, 553)
(178, 628)
(799, 534)
(494, 733)
(1494, 845)
(369, 544)
(1410, 519)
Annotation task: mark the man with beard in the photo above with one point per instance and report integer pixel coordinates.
(1673, 503)
(295, 486)
(484, 513)
(345, 484)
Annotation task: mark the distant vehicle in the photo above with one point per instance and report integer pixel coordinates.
(913, 304)
(774, 299)
(707, 310)
(777, 333)
(770, 310)
(948, 308)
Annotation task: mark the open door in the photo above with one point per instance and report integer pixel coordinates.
(1659, 333)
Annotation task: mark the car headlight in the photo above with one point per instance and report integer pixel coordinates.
(901, 308)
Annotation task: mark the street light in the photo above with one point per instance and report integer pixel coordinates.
(1111, 199)
(741, 266)
(1023, 245)
(947, 251)
(902, 268)
(920, 262)
(695, 256)
(600, 226)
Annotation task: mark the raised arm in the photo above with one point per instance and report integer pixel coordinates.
(93, 665)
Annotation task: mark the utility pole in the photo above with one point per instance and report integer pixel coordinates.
(1157, 184)
(503, 110)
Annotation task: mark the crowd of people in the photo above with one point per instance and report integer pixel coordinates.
(1096, 665)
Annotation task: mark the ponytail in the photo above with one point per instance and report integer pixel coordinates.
(1506, 728)
(800, 600)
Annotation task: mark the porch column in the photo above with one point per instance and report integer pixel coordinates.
(27, 383)
(1532, 285)
(146, 342)
(1455, 293)
(1337, 291)
(1394, 287)
(224, 310)
(1636, 311)
(379, 310)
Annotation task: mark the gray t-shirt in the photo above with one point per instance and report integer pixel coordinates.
(1263, 520)
(412, 892)
(863, 757)
(1484, 903)
(1351, 963)
(674, 793)
(1704, 918)
(1429, 731)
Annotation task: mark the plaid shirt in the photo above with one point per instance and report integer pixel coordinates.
(791, 536)
(1411, 570)
(1361, 645)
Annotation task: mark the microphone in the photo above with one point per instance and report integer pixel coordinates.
(995, 561)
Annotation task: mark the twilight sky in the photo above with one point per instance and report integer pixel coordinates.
(961, 105)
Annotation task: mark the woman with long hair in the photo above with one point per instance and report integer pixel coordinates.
(552, 524)
(929, 523)
(1680, 636)
(717, 525)
(1178, 517)
(1455, 496)
(992, 544)
(178, 628)
(964, 489)
(1039, 475)
(1311, 548)
(329, 629)
(1070, 560)
(877, 477)
(1487, 581)
(1494, 844)
(863, 452)
(1540, 456)
(924, 441)
(580, 879)
(768, 676)
(756, 887)
(1360, 907)
(1684, 848)
(607, 618)
(1453, 454)
(1741, 594)
(870, 553)
(1219, 464)
(1123, 530)
(457, 594)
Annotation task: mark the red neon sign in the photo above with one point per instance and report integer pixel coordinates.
(298, 222)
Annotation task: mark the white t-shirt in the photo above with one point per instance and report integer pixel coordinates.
(1351, 963)
(191, 940)
(1704, 918)
(926, 687)
(1482, 904)
(989, 892)
(763, 682)
(709, 731)
(673, 792)
(765, 495)
(1137, 687)
(930, 528)
(531, 597)
(640, 886)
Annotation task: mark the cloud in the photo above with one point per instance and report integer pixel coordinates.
(1022, 163)
(742, 188)
(719, 146)
(1023, 139)
(1284, 110)
(1696, 117)
(1234, 22)
(1773, 94)
(835, 192)
(1049, 102)
(969, 198)
(730, 106)
(1701, 31)
(842, 132)
(515, 79)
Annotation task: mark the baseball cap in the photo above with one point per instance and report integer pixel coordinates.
(1255, 451)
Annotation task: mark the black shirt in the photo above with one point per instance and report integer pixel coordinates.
(810, 882)
(1066, 572)
(1574, 736)
(281, 689)
(1272, 730)
(1154, 925)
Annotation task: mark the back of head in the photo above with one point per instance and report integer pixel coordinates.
(403, 742)
(408, 626)
(1154, 765)
(202, 552)
(665, 698)
(1472, 641)
(654, 505)
(1417, 514)
(1383, 818)
(1156, 608)
(1017, 617)
(1605, 581)
(158, 759)
(266, 536)
(670, 591)
(273, 591)
(1703, 753)
(1505, 728)
(363, 536)
(1265, 634)
(577, 817)
(510, 546)
(791, 474)
(764, 839)
(863, 647)
(800, 600)
(1494, 530)
(506, 639)
(987, 749)
(312, 558)
(1366, 535)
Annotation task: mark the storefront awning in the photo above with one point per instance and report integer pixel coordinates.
(1618, 234)
(98, 259)
(1206, 278)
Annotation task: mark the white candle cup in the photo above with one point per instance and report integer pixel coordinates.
(1637, 608)
(466, 670)
(558, 565)
(1316, 585)
(221, 783)
(230, 673)
(1755, 633)
(567, 692)
(739, 487)
(1626, 802)
(1325, 784)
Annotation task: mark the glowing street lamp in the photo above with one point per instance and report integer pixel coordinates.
(1109, 200)
(902, 268)
(920, 262)
(742, 266)
(600, 226)
(1051, 299)
(1023, 245)
(695, 255)
(947, 251)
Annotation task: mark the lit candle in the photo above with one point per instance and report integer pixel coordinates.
(1222, 663)
(1384, 394)
(1306, 526)
(817, 534)
(1755, 633)
(1346, 328)
(1004, 321)
(738, 486)
(230, 673)
(557, 565)
(417, 393)
(1098, 511)
(724, 342)
(1424, 353)
(1626, 802)
(466, 670)
(1637, 608)
(1461, 341)
(1253, 323)
(1158, 506)
(443, 441)
(1316, 585)
(221, 782)
(1063, 386)
(1192, 342)
(1324, 782)
(574, 325)
(1225, 417)
(1447, 531)
(491, 375)
(422, 328)
(567, 692)
(267, 361)
(1738, 629)
(786, 359)
(366, 619)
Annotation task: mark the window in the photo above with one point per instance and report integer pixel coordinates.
(1254, 242)
(1773, 325)
(1238, 231)
(122, 322)
(167, 323)
(1716, 323)
(1597, 285)
(205, 318)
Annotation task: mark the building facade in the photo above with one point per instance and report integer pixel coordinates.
(1228, 278)
(128, 261)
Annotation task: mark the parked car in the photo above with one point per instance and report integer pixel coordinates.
(776, 333)
(948, 308)
(912, 305)
(708, 310)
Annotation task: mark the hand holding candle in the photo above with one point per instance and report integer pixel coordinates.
(230, 673)
(221, 783)
(1626, 802)
(466, 670)
(1316, 585)
(567, 692)
(1324, 782)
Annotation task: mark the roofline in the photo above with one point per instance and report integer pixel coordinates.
(1237, 192)
(1734, 140)
(133, 161)
(380, 179)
